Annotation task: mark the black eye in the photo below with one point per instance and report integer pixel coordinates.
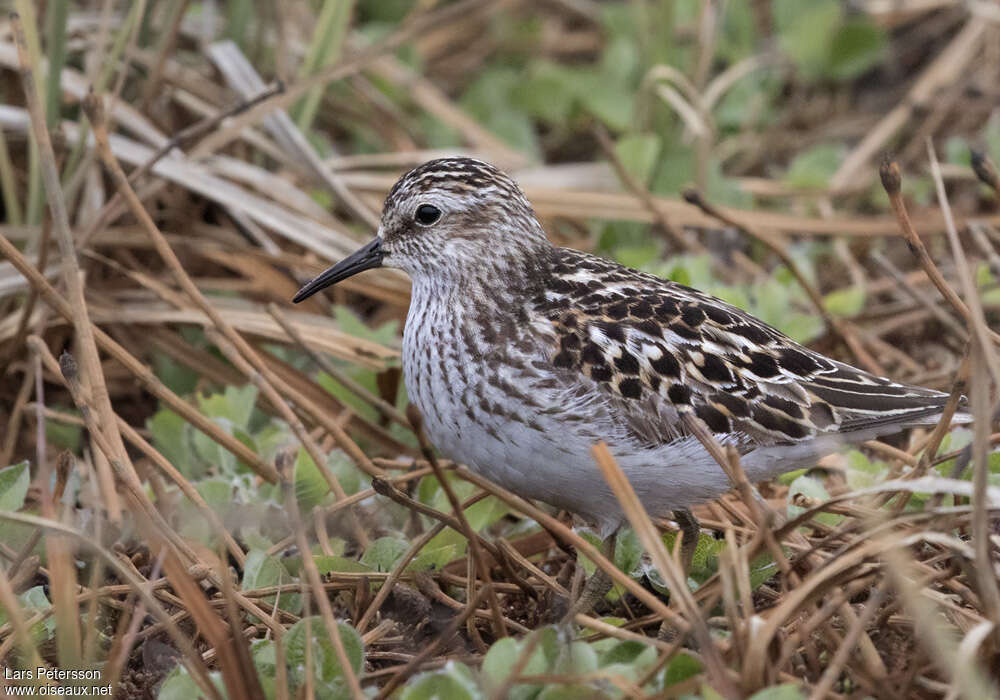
(427, 214)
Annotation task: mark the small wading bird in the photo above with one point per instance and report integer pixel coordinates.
(522, 355)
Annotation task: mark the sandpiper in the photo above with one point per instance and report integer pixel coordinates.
(522, 355)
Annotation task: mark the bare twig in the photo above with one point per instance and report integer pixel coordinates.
(316, 586)
(985, 170)
(836, 325)
(70, 265)
(667, 567)
(416, 420)
(443, 638)
(891, 180)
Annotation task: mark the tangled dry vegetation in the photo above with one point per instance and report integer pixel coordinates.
(213, 493)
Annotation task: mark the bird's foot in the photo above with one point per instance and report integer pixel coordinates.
(592, 593)
(595, 587)
(690, 531)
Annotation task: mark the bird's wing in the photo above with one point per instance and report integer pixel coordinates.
(657, 348)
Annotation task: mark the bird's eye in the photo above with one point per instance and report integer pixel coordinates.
(427, 214)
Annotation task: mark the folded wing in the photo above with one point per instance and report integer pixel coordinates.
(656, 349)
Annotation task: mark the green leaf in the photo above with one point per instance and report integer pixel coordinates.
(620, 60)
(814, 167)
(263, 571)
(739, 32)
(235, 404)
(14, 482)
(985, 278)
(956, 150)
(499, 661)
(577, 658)
(804, 33)
(628, 558)
(725, 190)
(825, 43)
(479, 515)
(990, 135)
(217, 492)
(800, 327)
(862, 472)
(628, 551)
(708, 693)
(674, 172)
(614, 621)
(638, 256)
(273, 438)
(64, 435)
(606, 99)
(178, 377)
(383, 553)
(265, 657)
(490, 98)
(639, 154)
(365, 377)
(706, 553)
(812, 488)
(788, 477)
(788, 691)
(856, 46)
(170, 436)
(846, 302)
(589, 567)
(326, 564)
(350, 323)
(455, 682)
(761, 569)
(428, 490)
(483, 514)
(34, 601)
(435, 558)
(680, 669)
(504, 654)
(179, 685)
(629, 652)
(750, 104)
(310, 486)
(546, 92)
(210, 452)
(568, 692)
(704, 563)
(327, 672)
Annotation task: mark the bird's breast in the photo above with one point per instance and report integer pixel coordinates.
(475, 387)
(439, 371)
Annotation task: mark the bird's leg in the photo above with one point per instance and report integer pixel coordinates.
(598, 585)
(690, 532)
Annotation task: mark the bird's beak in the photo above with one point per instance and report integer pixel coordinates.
(365, 259)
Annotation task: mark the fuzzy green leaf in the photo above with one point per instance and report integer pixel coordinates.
(455, 681)
(327, 672)
(383, 553)
(179, 685)
(14, 482)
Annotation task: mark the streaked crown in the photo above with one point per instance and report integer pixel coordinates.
(450, 213)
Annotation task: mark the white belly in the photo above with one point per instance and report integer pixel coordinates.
(540, 448)
(538, 444)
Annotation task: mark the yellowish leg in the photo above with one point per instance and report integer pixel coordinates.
(690, 532)
(597, 586)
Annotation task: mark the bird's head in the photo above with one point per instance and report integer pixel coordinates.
(446, 219)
